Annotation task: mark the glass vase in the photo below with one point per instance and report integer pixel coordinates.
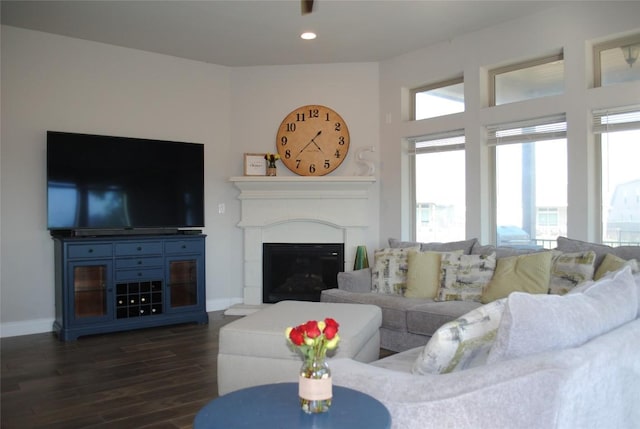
(314, 387)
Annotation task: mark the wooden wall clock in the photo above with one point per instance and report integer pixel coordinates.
(313, 140)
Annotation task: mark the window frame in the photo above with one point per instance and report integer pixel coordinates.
(413, 152)
(441, 84)
(605, 46)
(517, 66)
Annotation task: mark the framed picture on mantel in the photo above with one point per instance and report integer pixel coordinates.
(255, 164)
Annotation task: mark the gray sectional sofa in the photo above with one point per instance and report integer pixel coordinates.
(410, 322)
(554, 361)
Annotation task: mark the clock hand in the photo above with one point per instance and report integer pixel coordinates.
(314, 141)
(310, 141)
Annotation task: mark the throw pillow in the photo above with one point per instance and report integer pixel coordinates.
(625, 252)
(611, 263)
(525, 273)
(570, 269)
(389, 273)
(423, 273)
(464, 277)
(540, 323)
(461, 344)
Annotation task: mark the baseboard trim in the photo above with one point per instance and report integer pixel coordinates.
(25, 327)
(38, 326)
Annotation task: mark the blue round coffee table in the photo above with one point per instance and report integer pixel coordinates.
(277, 406)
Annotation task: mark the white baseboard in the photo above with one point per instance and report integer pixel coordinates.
(38, 326)
(222, 304)
(26, 327)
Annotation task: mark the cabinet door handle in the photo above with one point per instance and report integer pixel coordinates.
(184, 246)
(139, 262)
(139, 248)
(90, 250)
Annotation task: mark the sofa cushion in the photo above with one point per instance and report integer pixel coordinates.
(423, 273)
(501, 251)
(389, 273)
(625, 252)
(426, 317)
(394, 307)
(539, 323)
(462, 343)
(355, 281)
(570, 269)
(612, 263)
(464, 245)
(525, 273)
(463, 277)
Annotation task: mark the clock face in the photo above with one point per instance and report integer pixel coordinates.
(312, 140)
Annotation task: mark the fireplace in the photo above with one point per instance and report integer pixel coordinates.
(301, 209)
(296, 271)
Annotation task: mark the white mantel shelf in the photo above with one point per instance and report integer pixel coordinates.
(302, 187)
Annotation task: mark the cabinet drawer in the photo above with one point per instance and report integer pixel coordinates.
(142, 273)
(138, 262)
(187, 246)
(139, 248)
(89, 250)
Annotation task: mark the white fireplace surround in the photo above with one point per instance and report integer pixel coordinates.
(292, 209)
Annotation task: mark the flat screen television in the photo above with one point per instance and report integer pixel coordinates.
(110, 184)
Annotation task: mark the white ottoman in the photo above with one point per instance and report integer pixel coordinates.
(253, 350)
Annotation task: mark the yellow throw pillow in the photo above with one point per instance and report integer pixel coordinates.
(523, 273)
(612, 263)
(423, 273)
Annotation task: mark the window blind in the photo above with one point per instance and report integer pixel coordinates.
(452, 140)
(616, 119)
(548, 128)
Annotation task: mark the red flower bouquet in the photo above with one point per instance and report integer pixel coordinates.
(314, 338)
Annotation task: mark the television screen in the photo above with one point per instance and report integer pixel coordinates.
(103, 182)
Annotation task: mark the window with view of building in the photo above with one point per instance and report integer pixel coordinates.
(530, 182)
(618, 132)
(439, 99)
(439, 187)
(617, 61)
(527, 80)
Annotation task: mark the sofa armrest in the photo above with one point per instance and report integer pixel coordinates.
(355, 281)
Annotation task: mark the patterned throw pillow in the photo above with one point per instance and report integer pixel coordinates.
(612, 263)
(570, 269)
(423, 273)
(389, 273)
(463, 343)
(464, 277)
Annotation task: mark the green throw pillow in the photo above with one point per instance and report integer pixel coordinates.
(524, 273)
(423, 273)
(612, 263)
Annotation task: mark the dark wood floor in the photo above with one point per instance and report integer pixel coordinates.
(150, 378)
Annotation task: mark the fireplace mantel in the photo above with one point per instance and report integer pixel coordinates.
(297, 209)
(303, 187)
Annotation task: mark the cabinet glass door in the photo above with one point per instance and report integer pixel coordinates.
(90, 290)
(183, 282)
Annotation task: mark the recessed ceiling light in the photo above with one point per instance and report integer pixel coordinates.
(308, 36)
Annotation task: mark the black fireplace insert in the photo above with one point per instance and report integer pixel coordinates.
(292, 271)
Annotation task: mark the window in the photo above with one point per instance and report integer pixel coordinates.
(439, 187)
(439, 99)
(530, 182)
(527, 80)
(617, 61)
(619, 135)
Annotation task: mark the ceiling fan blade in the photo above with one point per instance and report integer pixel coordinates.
(307, 6)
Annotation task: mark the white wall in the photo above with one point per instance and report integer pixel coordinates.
(51, 82)
(572, 28)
